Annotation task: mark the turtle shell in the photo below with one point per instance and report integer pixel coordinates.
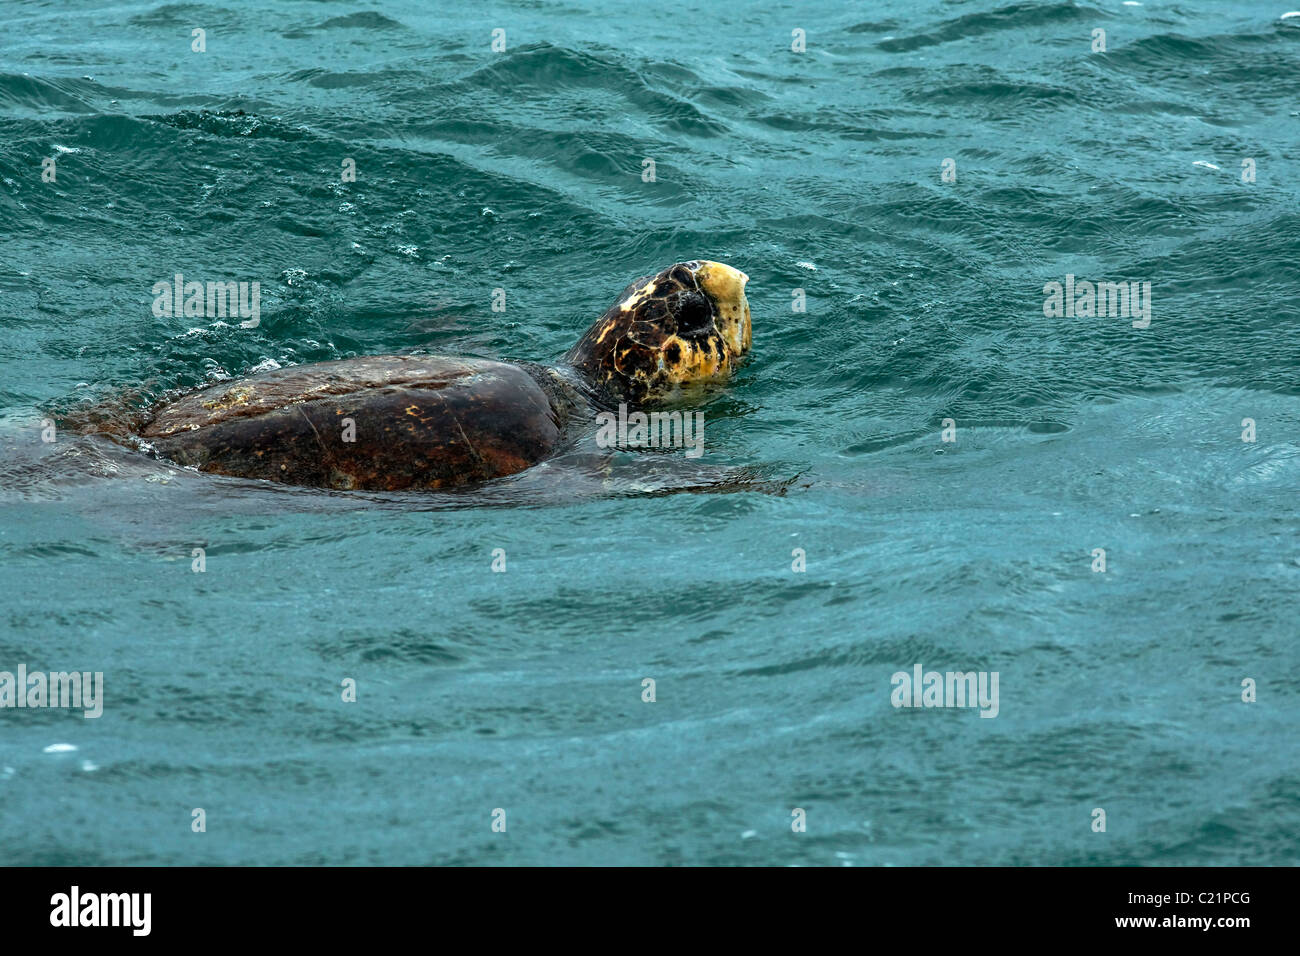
(381, 422)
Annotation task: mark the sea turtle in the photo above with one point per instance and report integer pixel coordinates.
(391, 422)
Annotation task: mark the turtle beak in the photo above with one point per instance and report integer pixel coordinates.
(726, 287)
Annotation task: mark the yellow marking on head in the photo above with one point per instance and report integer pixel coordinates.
(635, 298)
(694, 362)
(726, 287)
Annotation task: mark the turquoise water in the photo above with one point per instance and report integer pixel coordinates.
(521, 170)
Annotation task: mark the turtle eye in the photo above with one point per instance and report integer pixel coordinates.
(692, 311)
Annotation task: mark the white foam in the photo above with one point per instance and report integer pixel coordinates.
(60, 749)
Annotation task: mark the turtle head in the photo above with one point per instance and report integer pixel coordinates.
(687, 326)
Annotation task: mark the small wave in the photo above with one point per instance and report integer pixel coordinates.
(232, 123)
(1017, 17)
(366, 20)
(34, 93)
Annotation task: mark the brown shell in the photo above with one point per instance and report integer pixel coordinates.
(415, 421)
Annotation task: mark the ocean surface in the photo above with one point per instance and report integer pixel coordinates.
(914, 179)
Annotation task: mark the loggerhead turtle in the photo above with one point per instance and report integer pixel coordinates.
(391, 422)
